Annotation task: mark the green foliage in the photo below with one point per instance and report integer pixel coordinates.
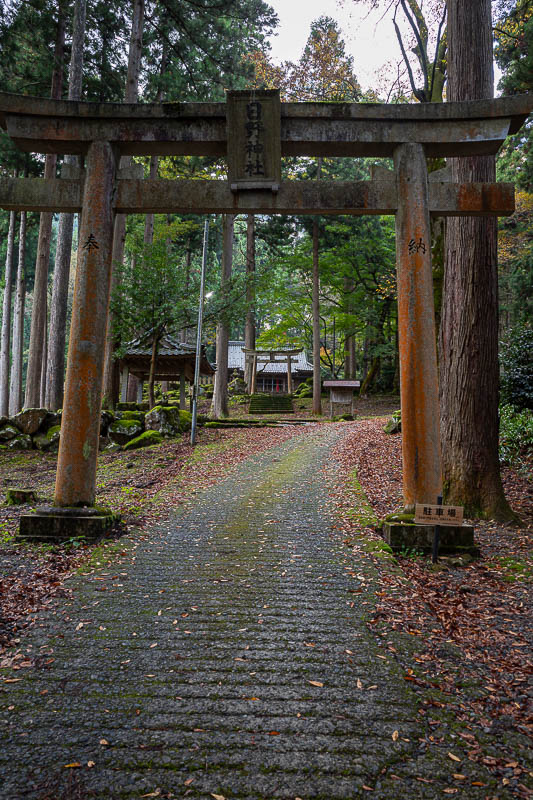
(516, 437)
(515, 263)
(516, 358)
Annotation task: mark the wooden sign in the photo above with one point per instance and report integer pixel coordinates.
(254, 139)
(438, 515)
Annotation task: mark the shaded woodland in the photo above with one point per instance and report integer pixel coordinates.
(326, 284)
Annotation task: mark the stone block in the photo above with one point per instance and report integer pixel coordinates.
(29, 420)
(16, 497)
(55, 524)
(124, 430)
(8, 432)
(48, 440)
(453, 538)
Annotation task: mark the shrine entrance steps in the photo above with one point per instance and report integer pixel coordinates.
(271, 404)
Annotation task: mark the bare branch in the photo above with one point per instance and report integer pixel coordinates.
(405, 57)
(423, 57)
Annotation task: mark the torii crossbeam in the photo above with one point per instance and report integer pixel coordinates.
(253, 131)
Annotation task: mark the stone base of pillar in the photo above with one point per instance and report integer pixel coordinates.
(414, 536)
(55, 524)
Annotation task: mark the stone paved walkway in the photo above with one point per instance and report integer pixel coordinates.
(226, 657)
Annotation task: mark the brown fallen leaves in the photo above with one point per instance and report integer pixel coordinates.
(472, 625)
(128, 483)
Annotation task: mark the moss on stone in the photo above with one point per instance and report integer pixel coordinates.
(185, 419)
(48, 440)
(146, 439)
(131, 415)
(401, 517)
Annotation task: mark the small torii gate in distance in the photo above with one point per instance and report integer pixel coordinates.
(271, 357)
(254, 130)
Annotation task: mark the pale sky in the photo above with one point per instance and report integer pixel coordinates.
(369, 37)
(371, 42)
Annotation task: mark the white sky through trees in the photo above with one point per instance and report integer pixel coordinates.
(369, 37)
(368, 34)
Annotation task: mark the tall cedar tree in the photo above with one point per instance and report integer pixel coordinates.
(469, 329)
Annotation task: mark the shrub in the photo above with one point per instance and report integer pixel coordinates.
(516, 359)
(516, 436)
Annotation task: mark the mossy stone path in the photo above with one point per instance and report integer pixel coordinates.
(226, 656)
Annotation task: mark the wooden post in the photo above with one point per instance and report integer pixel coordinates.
(289, 374)
(80, 427)
(124, 384)
(422, 481)
(183, 399)
(254, 374)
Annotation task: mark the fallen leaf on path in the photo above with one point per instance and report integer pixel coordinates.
(395, 736)
(453, 758)
(74, 764)
(316, 683)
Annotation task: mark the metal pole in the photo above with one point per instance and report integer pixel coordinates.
(199, 336)
(436, 537)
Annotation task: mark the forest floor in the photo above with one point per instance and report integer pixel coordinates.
(459, 633)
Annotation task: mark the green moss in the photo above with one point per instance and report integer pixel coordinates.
(146, 439)
(362, 512)
(185, 419)
(124, 425)
(401, 517)
(124, 415)
(378, 548)
(49, 439)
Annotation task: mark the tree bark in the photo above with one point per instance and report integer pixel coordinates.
(38, 317)
(55, 372)
(111, 385)
(15, 389)
(469, 327)
(220, 394)
(317, 399)
(249, 325)
(5, 345)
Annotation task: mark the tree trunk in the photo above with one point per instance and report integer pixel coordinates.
(317, 400)
(249, 325)
(469, 328)
(184, 332)
(6, 318)
(111, 385)
(55, 373)
(370, 376)
(220, 394)
(15, 389)
(153, 364)
(38, 316)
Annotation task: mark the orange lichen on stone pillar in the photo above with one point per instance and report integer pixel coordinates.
(422, 476)
(80, 425)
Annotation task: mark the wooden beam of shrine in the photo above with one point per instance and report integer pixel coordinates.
(293, 197)
(307, 129)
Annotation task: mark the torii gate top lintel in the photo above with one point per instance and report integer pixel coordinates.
(477, 127)
(253, 130)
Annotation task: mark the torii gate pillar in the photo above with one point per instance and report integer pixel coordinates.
(422, 473)
(80, 425)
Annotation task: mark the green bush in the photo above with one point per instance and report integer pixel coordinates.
(516, 358)
(516, 435)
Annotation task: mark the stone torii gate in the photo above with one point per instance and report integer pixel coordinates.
(253, 130)
(271, 357)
